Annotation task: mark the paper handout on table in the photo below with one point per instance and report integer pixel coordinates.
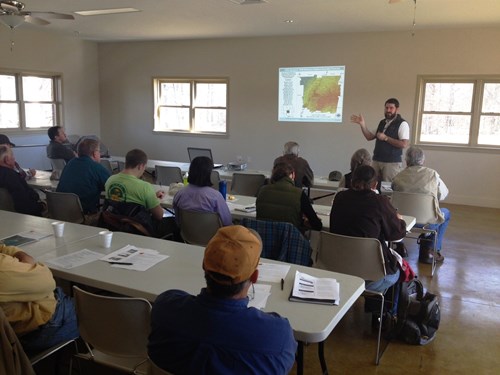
(243, 208)
(76, 259)
(134, 258)
(23, 238)
(272, 272)
(310, 289)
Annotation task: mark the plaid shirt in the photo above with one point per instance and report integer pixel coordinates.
(281, 241)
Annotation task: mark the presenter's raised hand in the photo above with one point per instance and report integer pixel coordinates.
(358, 119)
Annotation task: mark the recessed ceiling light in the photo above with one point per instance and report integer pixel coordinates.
(99, 12)
(288, 21)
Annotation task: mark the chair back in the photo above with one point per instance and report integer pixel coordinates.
(281, 241)
(247, 183)
(121, 223)
(121, 165)
(64, 207)
(420, 205)
(117, 326)
(58, 164)
(155, 370)
(6, 202)
(198, 227)
(167, 175)
(107, 164)
(215, 179)
(357, 256)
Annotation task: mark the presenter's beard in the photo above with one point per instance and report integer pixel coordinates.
(390, 116)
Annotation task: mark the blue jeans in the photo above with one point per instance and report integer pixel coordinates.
(441, 228)
(61, 327)
(382, 284)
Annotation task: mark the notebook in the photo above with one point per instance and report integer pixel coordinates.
(194, 152)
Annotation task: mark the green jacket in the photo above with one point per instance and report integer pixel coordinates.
(280, 202)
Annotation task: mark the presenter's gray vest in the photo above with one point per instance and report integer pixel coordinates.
(384, 152)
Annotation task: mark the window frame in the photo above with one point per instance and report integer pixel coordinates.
(478, 82)
(157, 81)
(57, 102)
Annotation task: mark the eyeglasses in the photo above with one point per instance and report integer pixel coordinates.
(251, 293)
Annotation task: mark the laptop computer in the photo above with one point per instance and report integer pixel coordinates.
(195, 152)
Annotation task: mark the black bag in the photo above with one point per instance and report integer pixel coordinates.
(418, 314)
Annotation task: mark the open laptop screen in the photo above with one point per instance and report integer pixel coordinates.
(195, 152)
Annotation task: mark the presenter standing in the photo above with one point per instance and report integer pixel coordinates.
(391, 137)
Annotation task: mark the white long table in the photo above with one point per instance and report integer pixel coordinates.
(311, 323)
(14, 223)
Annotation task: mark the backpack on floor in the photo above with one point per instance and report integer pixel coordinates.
(418, 314)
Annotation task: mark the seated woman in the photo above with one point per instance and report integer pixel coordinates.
(283, 201)
(198, 195)
(360, 212)
(40, 314)
(360, 157)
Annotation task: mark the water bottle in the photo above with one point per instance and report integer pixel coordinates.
(223, 188)
(185, 179)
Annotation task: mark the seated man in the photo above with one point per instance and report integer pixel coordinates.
(283, 201)
(59, 146)
(127, 187)
(85, 176)
(361, 212)
(5, 141)
(199, 195)
(26, 200)
(216, 332)
(360, 157)
(416, 178)
(40, 314)
(304, 175)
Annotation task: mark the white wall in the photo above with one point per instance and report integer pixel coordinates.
(378, 66)
(76, 60)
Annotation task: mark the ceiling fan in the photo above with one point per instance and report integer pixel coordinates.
(12, 14)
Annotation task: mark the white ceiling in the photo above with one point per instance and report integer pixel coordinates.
(194, 19)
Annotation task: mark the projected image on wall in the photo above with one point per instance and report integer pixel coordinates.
(312, 94)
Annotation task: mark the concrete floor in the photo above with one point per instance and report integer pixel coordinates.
(468, 286)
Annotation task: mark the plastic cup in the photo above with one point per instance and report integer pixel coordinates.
(106, 237)
(58, 227)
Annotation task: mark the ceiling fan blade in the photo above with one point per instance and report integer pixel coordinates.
(54, 15)
(35, 20)
(9, 7)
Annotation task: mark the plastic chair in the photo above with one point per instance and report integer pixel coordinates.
(247, 183)
(107, 164)
(64, 207)
(167, 175)
(58, 164)
(115, 330)
(198, 227)
(215, 179)
(423, 207)
(6, 202)
(355, 256)
(121, 223)
(19, 357)
(155, 370)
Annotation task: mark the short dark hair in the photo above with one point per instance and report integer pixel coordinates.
(281, 170)
(363, 177)
(200, 170)
(87, 147)
(53, 132)
(222, 290)
(135, 157)
(393, 101)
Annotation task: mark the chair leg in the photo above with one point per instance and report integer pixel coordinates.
(434, 253)
(377, 357)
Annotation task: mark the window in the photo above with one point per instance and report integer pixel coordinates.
(191, 105)
(29, 101)
(459, 111)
